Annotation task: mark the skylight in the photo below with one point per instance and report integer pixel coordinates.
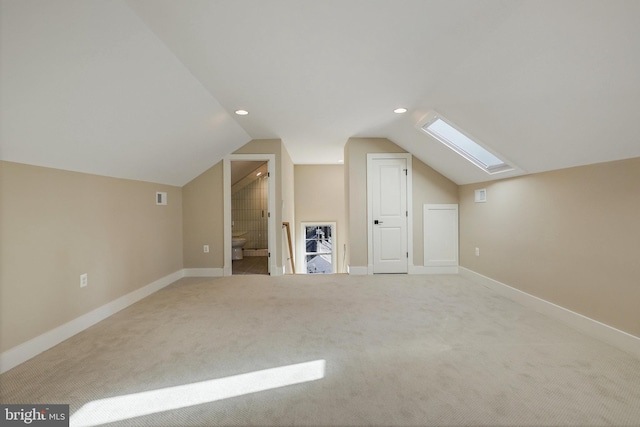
(453, 138)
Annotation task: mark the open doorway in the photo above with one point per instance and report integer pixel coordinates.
(249, 214)
(249, 217)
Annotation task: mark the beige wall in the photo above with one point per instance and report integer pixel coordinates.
(355, 161)
(429, 186)
(203, 223)
(567, 236)
(56, 225)
(204, 207)
(320, 197)
(570, 237)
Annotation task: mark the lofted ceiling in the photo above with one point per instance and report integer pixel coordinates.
(146, 89)
(241, 169)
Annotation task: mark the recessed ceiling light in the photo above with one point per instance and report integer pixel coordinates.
(259, 173)
(400, 110)
(242, 112)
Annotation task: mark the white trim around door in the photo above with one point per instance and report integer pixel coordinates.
(226, 172)
(372, 157)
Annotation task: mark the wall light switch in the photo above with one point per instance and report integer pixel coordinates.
(205, 248)
(477, 251)
(84, 280)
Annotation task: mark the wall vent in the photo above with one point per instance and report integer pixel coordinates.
(161, 198)
(481, 195)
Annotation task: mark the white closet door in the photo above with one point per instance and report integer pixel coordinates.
(440, 235)
(389, 184)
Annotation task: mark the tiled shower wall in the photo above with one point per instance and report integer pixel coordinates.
(249, 213)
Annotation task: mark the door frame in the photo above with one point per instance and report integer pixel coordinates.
(226, 172)
(371, 157)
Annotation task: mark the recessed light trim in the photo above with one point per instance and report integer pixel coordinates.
(400, 110)
(242, 112)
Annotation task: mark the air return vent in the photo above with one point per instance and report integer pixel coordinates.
(481, 196)
(161, 198)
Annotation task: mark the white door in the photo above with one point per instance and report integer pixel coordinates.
(389, 215)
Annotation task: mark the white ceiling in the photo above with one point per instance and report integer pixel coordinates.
(146, 89)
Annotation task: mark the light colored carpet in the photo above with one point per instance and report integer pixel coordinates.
(398, 351)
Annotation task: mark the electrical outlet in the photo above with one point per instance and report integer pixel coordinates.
(205, 248)
(477, 251)
(84, 280)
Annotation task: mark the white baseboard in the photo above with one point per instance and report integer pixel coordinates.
(25, 351)
(419, 269)
(203, 272)
(357, 271)
(615, 337)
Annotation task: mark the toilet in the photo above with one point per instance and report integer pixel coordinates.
(236, 247)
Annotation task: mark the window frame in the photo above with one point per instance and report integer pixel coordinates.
(433, 116)
(303, 244)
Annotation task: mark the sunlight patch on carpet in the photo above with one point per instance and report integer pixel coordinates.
(119, 408)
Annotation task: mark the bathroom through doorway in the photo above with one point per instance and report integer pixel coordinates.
(249, 217)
